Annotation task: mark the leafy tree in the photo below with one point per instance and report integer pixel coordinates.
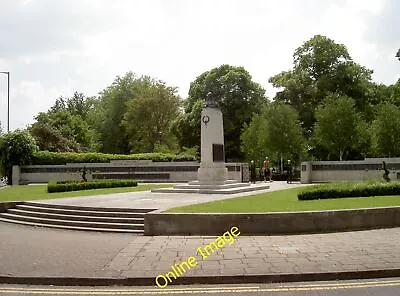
(380, 93)
(112, 108)
(236, 94)
(275, 132)
(16, 148)
(71, 131)
(147, 120)
(78, 105)
(67, 125)
(252, 138)
(321, 67)
(1, 129)
(187, 126)
(386, 131)
(51, 139)
(395, 94)
(340, 128)
(398, 54)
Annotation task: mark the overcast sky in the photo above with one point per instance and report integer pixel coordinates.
(56, 47)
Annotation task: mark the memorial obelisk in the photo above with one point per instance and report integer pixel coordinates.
(212, 166)
(212, 174)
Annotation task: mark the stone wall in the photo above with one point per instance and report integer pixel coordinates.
(143, 171)
(4, 206)
(157, 223)
(356, 170)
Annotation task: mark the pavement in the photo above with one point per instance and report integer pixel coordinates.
(46, 256)
(370, 287)
(34, 255)
(161, 201)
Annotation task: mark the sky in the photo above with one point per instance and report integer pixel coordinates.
(53, 48)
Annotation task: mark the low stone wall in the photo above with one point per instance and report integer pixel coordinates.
(157, 223)
(143, 171)
(4, 206)
(355, 170)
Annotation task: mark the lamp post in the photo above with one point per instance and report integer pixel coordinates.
(8, 100)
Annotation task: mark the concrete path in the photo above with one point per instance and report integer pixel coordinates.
(41, 252)
(161, 201)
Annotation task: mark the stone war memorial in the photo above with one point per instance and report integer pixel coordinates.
(212, 176)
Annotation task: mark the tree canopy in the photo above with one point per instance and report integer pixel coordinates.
(275, 133)
(148, 118)
(339, 127)
(238, 96)
(64, 126)
(326, 102)
(134, 113)
(321, 67)
(16, 148)
(386, 130)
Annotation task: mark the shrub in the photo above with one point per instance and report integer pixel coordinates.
(284, 176)
(46, 157)
(16, 148)
(347, 189)
(77, 181)
(63, 186)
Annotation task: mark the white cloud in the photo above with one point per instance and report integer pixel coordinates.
(27, 99)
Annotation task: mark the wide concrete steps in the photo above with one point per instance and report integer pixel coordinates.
(217, 189)
(77, 217)
(223, 186)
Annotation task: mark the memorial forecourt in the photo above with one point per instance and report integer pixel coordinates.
(178, 269)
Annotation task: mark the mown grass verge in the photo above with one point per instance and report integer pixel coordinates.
(286, 201)
(36, 192)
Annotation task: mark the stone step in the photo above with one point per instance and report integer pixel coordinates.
(196, 182)
(214, 191)
(72, 227)
(45, 209)
(85, 224)
(85, 208)
(209, 186)
(72, 217)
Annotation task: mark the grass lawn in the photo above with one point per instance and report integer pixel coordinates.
(285, 201)
(32, 192)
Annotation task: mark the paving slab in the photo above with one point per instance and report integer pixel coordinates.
(162, 201)
(45, 253)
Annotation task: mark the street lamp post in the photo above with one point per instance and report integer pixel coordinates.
(8, 100)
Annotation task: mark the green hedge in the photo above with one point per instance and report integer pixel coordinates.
(63, 186)
(347, 189)
(46, 157)
(77, 181)
(277, 176)
(284, 176)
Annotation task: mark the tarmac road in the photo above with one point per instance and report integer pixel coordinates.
(386, 287)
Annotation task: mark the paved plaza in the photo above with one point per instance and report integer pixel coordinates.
(161, 201)
(42, 252)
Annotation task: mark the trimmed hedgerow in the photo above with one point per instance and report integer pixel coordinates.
(76, 181)
(54, 186)
(348, 189)
(46, 157)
